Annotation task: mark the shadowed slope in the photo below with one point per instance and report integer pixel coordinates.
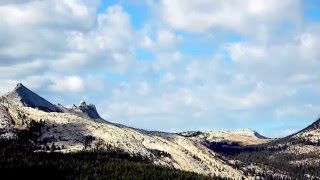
(26, 97)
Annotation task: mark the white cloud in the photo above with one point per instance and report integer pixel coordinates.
(110, 45)
(66, 47)
(146, 42)
(67, 84)
(58, 32)
(308, 42)
(39, 29)
(294, 60)
(21, 69)
(301, 78)
(259, 97)
(164, 40)
(302, 111)
(245, 16)
(240, 51)
(4, 2)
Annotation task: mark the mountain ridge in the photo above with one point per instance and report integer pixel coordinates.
(242, 136)
(75, 129)
(73, 132)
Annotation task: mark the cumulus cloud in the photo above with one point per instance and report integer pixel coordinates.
(64, 47)
(64, 31)
(67, 84)
(249, 16)
(39, 29)
(3, 2)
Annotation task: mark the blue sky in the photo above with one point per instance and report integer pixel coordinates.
(170, 65)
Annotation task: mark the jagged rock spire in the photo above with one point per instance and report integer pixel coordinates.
(90, 110)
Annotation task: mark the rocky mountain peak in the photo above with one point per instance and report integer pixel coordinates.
(26, 97)
(19, 85)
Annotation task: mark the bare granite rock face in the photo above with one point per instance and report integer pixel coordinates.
(26, 97)
(6, 122)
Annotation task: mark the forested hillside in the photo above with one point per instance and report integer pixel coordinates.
(18, 159)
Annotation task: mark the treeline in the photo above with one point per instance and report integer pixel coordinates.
(82, 165)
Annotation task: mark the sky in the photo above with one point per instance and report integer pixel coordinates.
(170, 65)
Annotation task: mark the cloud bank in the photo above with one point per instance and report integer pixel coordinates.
(188, 66)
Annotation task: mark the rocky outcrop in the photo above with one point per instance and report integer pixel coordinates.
(90, 110)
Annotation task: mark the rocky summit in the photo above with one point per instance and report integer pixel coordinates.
(28, 98)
